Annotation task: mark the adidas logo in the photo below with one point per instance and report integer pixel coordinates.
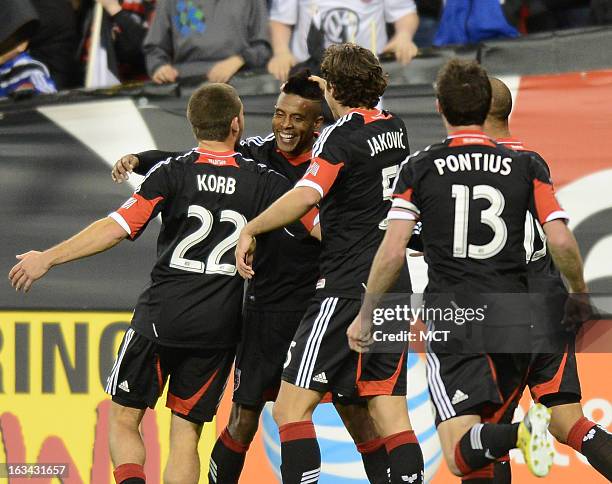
(320, 378)
(124, 386)
(458, 397)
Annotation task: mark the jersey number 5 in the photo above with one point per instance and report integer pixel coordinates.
(213, 262)
(388, 181)
(489, 216)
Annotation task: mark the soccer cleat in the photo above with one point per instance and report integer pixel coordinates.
(533, 440)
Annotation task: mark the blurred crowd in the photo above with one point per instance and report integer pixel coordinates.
(45, 45)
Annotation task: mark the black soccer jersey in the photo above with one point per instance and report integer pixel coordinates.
(539, 262)
(205, 198)
(286, 261)
(472, 196)
(354, 163)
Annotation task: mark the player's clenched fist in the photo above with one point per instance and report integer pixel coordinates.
(123, 167)
(244, 254)
(32, 266)
(359, 334)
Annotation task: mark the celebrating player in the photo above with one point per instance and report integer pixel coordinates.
(354, 161)
(287, 269)
(553, 377)
(471, 247)
(187, 322)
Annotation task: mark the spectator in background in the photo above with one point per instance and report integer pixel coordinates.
(300, 30)
(19, 73)
(130, 23)
(429, 18)
(463, 23)
(213, 39)
(55, 42)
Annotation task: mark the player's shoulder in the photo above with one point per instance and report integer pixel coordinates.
(256, 168)
(420, 157)
(259, 142)
(174, 163)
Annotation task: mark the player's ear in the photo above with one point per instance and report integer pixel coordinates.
(438, 108)
(235, 125)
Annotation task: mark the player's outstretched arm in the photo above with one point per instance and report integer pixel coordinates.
(292, 206)
(388, 261)
(98, 237)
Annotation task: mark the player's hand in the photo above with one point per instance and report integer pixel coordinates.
(224, 70)
(578, 310)
(112, 7)
(165, 74)
(403, 47)
(320, 81)
(244, 254)
(32, 266)
(280, 65)
(123, 167)
(359, 334)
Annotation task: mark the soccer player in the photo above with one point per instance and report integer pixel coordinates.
(553, 377)
(187, 322)
(287, 270)
(472, 195)
(354, 161)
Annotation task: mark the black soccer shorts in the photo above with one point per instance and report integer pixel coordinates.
(261, 354)
(320, 359)
(197, 377)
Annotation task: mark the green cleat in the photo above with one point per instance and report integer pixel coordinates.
(533, 440)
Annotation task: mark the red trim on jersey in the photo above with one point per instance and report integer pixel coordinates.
(407, 195)
(499, 413)
(216, 154)
(160, 378)
(322, 173)
(467, 137)
(512, 143)
(133, 6)
(378, 387)
(494, 375)
(296, 160)
(371, 115)
(297, 431)
(308, 220)
(327, 398)
(127, 471)
(545, 201)
(208, 159)
(139, 212)
(182, 406)
(552, 385)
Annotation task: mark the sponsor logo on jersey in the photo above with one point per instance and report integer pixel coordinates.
(459, 397)
(124, 386)
(320, 378)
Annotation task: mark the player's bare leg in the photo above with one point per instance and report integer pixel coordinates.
(569, 426)
(183, 466)
(370, 444)
(390, 416)
(229, 452)
(300, 454)
(126, 445)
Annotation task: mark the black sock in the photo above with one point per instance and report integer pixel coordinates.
(300, 454)
(483, 444)
(405, 458)
(226, 460)
(503, 471)
(129, 474)
(375, 460)
(593, 442)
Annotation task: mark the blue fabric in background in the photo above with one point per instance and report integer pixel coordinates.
(470, 21)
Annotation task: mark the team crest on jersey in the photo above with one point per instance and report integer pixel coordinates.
(236, 378)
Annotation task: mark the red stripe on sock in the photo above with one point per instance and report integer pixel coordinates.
(127, 471)
(577, 433)
(401, 438)
(460, 461)
(232, 444)
(370, 446)
(505, 458)
(297, 431)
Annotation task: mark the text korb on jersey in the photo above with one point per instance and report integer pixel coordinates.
(216, 183)
(492, 163)
(386, 141)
